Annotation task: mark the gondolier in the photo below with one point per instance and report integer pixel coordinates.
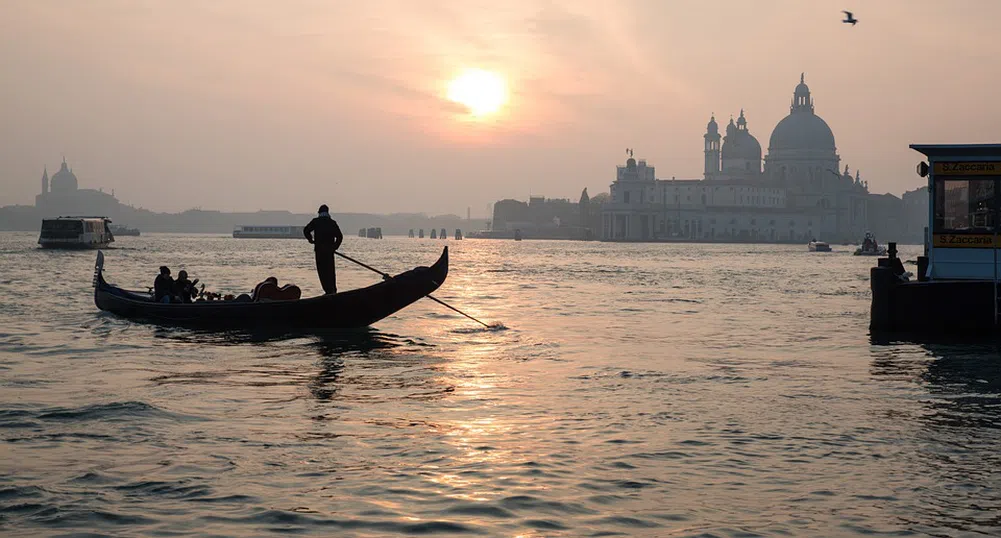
(326, 237)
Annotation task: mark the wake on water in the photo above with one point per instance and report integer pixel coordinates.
(494, 327)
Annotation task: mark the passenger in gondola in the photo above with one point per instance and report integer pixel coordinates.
(184, 289)
(256, 294)
(163, 286)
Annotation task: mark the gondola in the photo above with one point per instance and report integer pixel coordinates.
(349, 309)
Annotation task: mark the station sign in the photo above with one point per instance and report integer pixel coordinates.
(968, 168)
(946, 240)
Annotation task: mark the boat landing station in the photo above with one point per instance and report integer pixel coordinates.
(957, 278)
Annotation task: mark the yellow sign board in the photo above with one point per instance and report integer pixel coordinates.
(979, 168)
(963, 241)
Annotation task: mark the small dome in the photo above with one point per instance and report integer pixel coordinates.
(631, 163)
(712, 127)
(739, 142)
(64, 180)
(741, 145)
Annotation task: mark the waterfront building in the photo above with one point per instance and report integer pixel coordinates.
(795, 193)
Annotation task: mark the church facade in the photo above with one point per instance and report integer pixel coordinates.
(795, 193)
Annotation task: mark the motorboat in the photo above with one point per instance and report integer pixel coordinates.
(818, 246)
(870, 247)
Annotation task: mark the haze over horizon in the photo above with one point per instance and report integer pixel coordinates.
(246, 105)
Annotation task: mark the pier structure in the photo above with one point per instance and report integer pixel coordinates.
(956, 286)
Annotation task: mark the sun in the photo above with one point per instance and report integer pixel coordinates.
(482, 92)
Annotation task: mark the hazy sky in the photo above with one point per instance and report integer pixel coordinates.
(249, 104)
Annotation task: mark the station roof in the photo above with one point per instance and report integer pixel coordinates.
(938, 151)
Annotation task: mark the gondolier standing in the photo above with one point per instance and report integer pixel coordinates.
(326, 237)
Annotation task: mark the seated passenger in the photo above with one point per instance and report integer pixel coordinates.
(269, 291)
(184, 289)
(163, 286)
(268, 282)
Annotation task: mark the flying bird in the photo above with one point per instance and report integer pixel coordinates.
(849, 18)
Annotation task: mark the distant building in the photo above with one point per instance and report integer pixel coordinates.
(538, 214)
(61, 195)
(915, 215)
(886, 217)
(798, 194)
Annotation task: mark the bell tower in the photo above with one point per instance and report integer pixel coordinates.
(712, 147)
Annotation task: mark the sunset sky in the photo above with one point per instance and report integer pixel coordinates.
(251, 104)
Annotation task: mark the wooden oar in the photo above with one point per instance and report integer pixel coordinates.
(387, 276)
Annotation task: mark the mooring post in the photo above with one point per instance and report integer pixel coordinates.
(994, 247)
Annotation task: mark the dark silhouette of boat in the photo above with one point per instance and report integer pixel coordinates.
(350, 309)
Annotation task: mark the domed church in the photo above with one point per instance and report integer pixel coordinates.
(62, 195)
(798, 194)
(802, 160)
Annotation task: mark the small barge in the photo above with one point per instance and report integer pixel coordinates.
(269, 232)
(956, 289)
(120, 230)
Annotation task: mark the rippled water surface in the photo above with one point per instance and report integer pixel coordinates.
(642, 390)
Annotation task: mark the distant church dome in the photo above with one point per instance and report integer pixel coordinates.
(802, 129)
(64, 180)
(739, 143)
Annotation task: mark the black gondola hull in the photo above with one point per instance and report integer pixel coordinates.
(350, 309)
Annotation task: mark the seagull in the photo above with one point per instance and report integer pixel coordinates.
(849, 18)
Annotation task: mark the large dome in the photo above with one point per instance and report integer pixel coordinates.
(802, 129)
(64, 180)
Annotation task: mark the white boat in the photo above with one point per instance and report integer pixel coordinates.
(76, 232)
(119, 230)
(269, 232)
(870, 247)
(818, 246)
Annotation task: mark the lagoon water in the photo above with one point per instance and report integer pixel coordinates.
(638, 390)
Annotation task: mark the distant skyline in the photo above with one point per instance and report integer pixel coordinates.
(246, 105)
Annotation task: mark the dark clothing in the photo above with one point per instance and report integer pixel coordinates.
(325, 270)
(324, 233)
(326, 236)
(184, 289)
(163, 286)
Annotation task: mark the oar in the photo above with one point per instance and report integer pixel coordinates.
(387, 276)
